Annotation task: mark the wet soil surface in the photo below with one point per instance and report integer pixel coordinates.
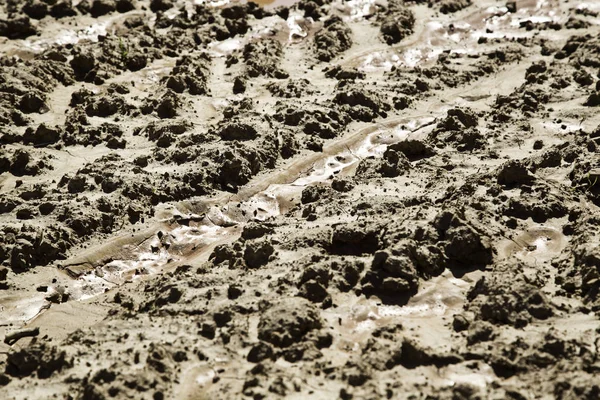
(299, 199)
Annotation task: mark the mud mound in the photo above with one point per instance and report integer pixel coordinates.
(263, 58)
(288, 322)
(334, 38)
(396, 23)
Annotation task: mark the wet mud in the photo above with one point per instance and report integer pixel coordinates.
(299, 199)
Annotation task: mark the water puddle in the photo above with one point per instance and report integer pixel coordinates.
(64, 36)
(425, 318)
(297, 26)
(563, 127)
(536, 244)
(275, 3)
(225, 47)
(356, 9)
(196, 382)
(477, 374)
(355, 319)
(591, 8)
(183, 234)
(267, 4)
(460, 36)
(16, 308)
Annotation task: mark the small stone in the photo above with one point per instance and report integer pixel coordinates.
(3, 273)
(593, 100)
(239, 85)
(4, 380)
(208, 330)
(234, 291)
(460, 323)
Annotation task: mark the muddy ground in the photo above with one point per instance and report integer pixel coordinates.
(320, 199)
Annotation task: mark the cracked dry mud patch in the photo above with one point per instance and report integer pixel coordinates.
(299, 199)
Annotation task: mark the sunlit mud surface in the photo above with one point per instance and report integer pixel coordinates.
(186, 234)
(361, 199)
(442, 296)
(461, 36)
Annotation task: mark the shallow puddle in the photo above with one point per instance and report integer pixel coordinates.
(537, 244)
(476, 374)
(459, 35)
(185, 234)
(274, 3)
(196, 382)
(355, 319)
(263, 3)
(64, 35)
(15, 309)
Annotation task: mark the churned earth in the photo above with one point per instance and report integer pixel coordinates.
(323, 199)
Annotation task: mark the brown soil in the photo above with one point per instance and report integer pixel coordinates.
(299, 199)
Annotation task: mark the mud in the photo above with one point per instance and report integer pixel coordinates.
(299, 199)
